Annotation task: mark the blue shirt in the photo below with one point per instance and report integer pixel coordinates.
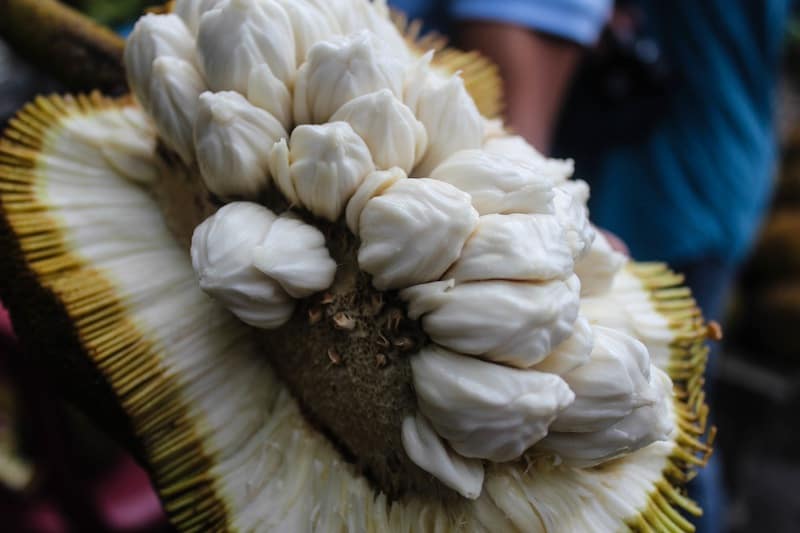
(577, 20)
(696, 184)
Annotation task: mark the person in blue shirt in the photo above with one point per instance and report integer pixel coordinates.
(681, 165)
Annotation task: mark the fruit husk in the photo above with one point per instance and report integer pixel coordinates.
(42, 320)
(69, 46)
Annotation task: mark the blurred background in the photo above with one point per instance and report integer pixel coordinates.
(114, 13)
(59, 474)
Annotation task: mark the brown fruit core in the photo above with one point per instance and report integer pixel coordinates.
(344, 353)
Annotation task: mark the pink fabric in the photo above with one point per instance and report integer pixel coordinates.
(44, 517)
(69, 495)
(125, 500)
(6, 330)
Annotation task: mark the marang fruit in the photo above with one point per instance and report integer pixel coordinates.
(225, 442)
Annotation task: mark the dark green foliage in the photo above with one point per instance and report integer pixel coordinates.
(113, 12)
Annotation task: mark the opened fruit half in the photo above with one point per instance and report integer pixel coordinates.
(315, 288)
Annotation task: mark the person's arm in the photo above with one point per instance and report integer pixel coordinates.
(536, 71)
(537, 45)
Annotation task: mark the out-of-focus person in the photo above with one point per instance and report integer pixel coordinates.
(670, 119)
(681, 159)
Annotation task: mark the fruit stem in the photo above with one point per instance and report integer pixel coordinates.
(64, 44)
